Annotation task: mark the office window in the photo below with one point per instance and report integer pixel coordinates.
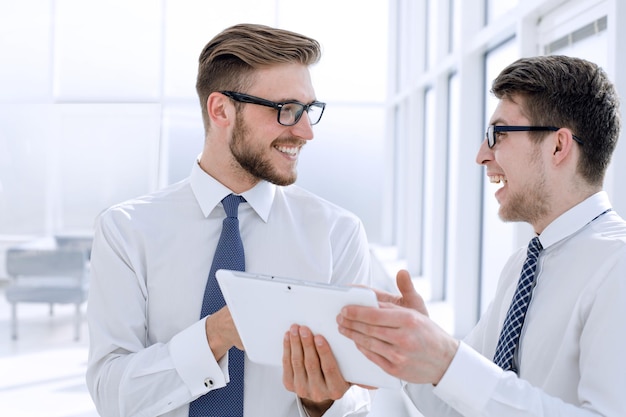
(433, 23)
(498, 237)
(497, 8)
(98, 103)
(455, 26)
(453, 157)
(96, 60)
(462, 52)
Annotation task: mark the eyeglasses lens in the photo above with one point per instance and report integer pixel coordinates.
(491, 136)
(315, 113)
(290, 113)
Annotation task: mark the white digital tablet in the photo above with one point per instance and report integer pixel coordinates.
(264, 307)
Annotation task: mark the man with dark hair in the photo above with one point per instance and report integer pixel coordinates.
(551, 342)
(154, 348)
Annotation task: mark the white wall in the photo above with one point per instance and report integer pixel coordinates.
(98, 102)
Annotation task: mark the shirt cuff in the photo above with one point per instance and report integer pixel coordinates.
(194, 361)
(468, 365)
(355, 402)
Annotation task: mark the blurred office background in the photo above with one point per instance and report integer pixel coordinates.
(98, 104)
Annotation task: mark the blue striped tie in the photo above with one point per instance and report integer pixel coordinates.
(512, 328)
(226, 401)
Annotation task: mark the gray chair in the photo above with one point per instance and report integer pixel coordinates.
(51, 276)
(75, 241)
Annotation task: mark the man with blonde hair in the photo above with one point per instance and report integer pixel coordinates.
(155, 349)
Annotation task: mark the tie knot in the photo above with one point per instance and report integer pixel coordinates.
(534, 247)
(231, 204)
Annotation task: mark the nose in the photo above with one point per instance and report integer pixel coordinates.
(303, 128)
(485, 153)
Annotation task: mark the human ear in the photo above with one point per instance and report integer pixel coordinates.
(562, 145)
(220, 109)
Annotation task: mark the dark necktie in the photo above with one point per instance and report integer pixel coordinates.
(226, 401)
(512, 327)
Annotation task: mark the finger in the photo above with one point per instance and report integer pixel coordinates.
(328, 363)
(376, 339)
(385, 297)
(379, 359)
(350, 331)
(410, 297)
(404, 282)
(335, 382)
(374, 349)
(311, 358)
(287, 368)
(297, 359)
(368, 315)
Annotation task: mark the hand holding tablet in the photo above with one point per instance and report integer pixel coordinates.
(264, 307)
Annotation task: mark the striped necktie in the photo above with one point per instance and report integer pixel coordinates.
(512, 328)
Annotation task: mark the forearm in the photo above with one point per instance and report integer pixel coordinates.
(150, 380)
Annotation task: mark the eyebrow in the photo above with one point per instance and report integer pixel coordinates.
(495, 122)
(299, 101)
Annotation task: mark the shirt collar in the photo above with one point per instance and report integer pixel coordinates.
(209, 192)
(575, 219)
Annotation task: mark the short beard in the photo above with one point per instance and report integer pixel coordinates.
(529, 205)
(252, 159)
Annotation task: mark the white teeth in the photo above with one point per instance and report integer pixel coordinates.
(497, 179)
(288, 150)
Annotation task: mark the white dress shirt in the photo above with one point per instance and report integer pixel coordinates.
(151, 257)
(571, 353)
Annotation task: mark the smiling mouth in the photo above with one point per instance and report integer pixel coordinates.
(289, 150)
(497, 179)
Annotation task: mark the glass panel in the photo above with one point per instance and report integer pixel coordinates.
(432, 23)
(24, 172)
(429, 198)
(400, 164)
(351, 143)
(191, 24)
(498, 237)
(496, 8)
(95, 61)
(183, 139)
(594, 48)
(454, 137)
(455, 25)
(59, 173)
(402, 49)
(109, 154)
(353, 64)
(25, 51)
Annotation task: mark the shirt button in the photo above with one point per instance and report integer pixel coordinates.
(208, 383)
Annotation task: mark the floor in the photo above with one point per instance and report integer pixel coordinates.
(42, 374)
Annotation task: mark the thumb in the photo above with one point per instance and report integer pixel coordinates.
(410, 297)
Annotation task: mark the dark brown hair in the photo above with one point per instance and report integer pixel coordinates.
(567, 92)
(229, 60)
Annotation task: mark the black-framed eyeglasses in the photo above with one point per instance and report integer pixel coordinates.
(492, 131)
(289, 112)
